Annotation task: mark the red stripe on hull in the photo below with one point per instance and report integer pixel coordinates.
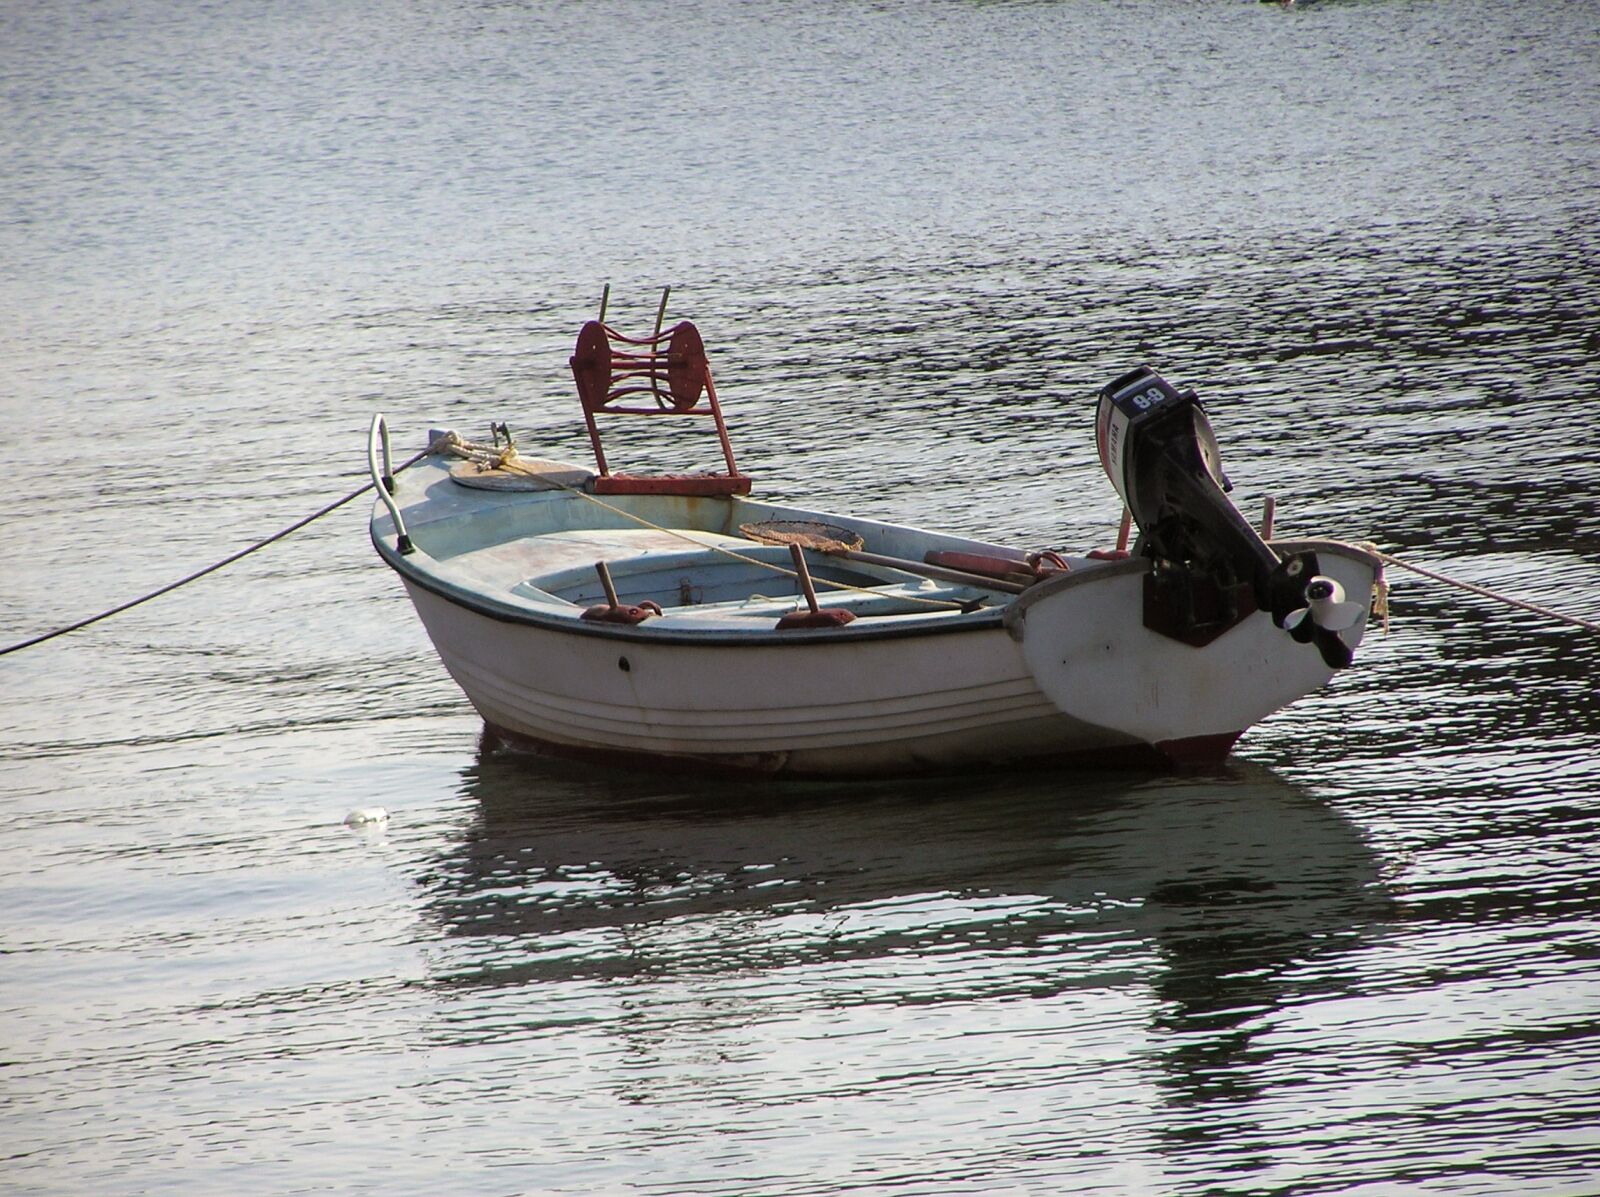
(1199, 750)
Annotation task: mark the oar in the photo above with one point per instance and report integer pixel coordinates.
(980, 581)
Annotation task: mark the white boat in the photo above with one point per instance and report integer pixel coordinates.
(675, 620)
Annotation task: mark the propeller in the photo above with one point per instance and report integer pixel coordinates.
(1325, 615)
(1326, 607)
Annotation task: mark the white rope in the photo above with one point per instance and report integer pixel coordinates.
(1484, 591)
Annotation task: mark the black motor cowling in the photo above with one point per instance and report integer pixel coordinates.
(1210, 567)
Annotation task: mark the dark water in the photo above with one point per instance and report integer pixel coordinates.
(917, 237)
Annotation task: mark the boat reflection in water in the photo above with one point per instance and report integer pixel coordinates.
(1193, 904)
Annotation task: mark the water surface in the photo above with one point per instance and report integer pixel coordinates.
(917, 238)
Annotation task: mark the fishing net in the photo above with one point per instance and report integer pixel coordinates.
(808, 534)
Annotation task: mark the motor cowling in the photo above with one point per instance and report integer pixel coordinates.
(1210, 568)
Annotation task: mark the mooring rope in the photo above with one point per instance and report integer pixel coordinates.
(497, 458)
(1484, 591)
(506, 458)
(210, 569)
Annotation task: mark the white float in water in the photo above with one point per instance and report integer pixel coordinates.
(366, 816)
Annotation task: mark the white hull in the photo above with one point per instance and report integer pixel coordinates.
(877, 706)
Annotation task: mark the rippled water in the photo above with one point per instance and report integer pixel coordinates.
(917, 237)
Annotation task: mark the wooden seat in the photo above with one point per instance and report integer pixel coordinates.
(671, 368)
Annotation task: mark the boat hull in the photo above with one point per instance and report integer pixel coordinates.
(859, 707)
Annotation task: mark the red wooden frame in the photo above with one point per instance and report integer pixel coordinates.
(671, 367)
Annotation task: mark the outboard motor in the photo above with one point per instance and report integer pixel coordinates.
(1211, 569)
